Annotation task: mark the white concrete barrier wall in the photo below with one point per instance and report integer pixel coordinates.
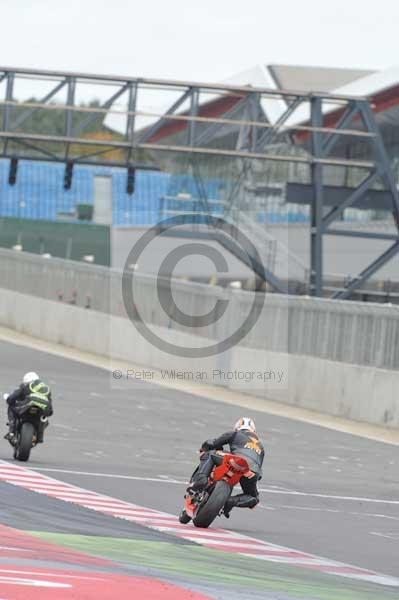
(357, 392)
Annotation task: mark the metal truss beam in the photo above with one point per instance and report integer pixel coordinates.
(233, 109)
(370, 235)
(71, 83)
(382, 158)
(141, 166)
(172, 83)
(322, 145)
(357, 193)
(28, 113)
(358, 281)
(105, 106)
(212, 130)
(257, 114)
(130, 122)
(191, 130)
(7, 108)
(37, 149)
(316, 211)
(246, 129)
(110, 144)
(345, 120)
(268, 136)
(147, 134)
(255, 128)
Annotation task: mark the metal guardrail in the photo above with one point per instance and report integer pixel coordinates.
(352, 332)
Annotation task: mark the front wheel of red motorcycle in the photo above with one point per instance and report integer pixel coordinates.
(216, 501)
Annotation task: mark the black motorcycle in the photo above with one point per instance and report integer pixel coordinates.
(32, 419)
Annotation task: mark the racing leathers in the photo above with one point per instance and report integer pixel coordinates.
(24, 393)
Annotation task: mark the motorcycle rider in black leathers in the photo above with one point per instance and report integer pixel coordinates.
(244, 442)
(31, 387)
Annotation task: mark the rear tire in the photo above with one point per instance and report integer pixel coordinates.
(208, 513)
(25, 441)
(184, 518)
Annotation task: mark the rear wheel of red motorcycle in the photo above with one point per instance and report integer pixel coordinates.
(208, 513)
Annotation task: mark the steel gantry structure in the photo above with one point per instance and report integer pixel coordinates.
(202, 120)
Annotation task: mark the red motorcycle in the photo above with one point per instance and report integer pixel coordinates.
(203, 507)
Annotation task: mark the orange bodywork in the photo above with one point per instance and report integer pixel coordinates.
(231, 470)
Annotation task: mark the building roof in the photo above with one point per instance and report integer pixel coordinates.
(312, 79)
(382, 87)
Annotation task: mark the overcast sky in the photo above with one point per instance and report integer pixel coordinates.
(202, 40)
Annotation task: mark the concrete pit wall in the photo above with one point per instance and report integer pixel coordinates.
(357, 392)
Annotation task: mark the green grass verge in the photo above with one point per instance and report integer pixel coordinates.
(206, 566)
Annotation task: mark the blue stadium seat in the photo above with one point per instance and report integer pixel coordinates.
(39, 194)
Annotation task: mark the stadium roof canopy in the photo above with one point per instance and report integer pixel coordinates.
(296, 77)
(381, 87)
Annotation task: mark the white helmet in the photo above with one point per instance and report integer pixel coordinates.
(29, 377)
(245, 423)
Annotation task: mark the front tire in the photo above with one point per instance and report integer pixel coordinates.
(25, 442)
(208, 513)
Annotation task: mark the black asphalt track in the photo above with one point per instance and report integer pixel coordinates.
(329, 493)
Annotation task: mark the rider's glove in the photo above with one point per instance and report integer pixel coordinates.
(206, 446)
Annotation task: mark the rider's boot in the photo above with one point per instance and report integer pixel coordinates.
(10, 436)
(239, 501)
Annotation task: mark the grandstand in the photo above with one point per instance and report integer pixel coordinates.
(39, 194)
